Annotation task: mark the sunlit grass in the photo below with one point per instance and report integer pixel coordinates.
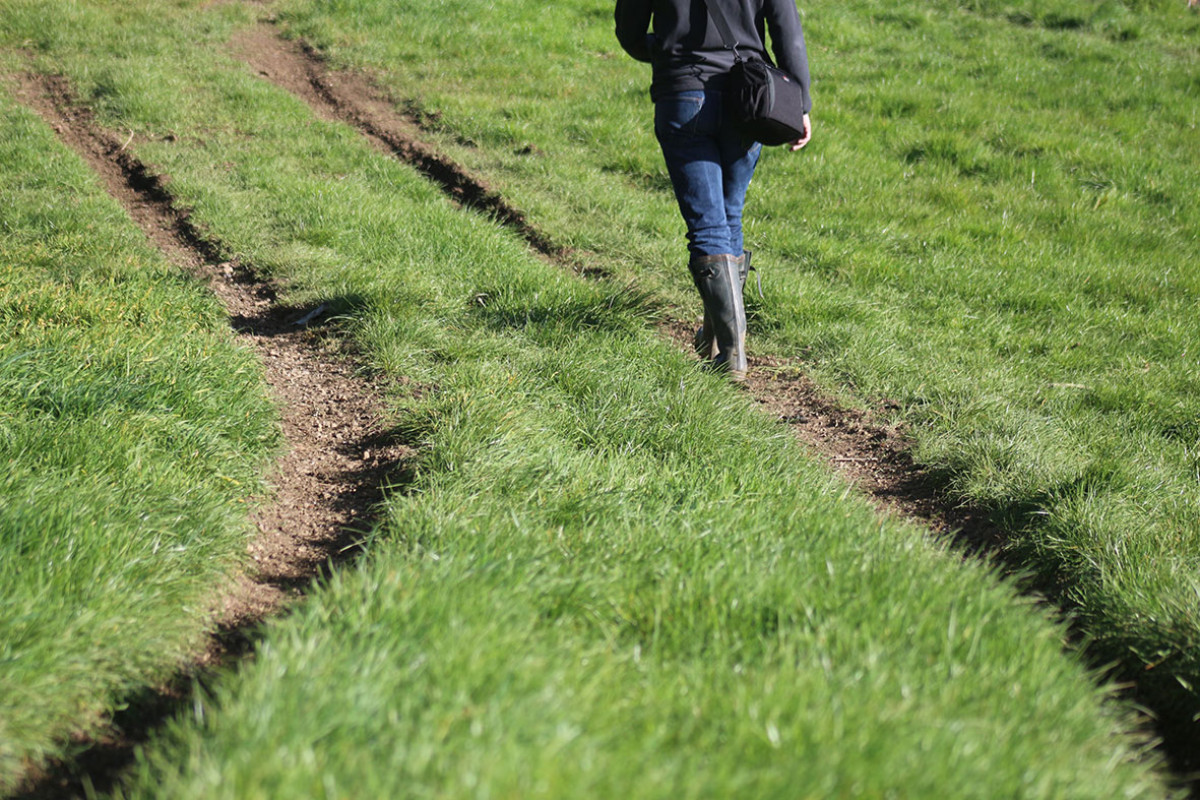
(609, 574)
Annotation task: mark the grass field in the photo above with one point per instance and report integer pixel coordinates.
(992, 231)
(609, 574)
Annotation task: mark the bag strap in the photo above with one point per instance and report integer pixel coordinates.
(719, 19)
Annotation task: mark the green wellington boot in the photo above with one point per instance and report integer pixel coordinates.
(704, 342)
(716, 278)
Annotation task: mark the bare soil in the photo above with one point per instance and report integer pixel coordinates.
(347, 97)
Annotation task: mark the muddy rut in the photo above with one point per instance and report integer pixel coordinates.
(339, 455)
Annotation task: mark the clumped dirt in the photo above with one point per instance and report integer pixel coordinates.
(339, 454)
(874, 455)
(860, 445)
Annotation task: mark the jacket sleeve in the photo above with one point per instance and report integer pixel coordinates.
(633, 26)
(787, 43)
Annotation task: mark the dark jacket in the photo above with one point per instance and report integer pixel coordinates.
(687, 51)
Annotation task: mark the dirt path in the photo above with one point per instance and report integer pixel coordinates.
(350, 99)
(326, 486)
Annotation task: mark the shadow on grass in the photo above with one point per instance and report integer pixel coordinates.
(1146, 663)
(96, 766)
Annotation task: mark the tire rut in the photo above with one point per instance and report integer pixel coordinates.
(327, 486)
(337, 96)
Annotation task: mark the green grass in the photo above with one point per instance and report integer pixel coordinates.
(608, 573)
(131, 432)
(992, 230)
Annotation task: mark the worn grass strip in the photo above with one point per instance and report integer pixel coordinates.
(132, 431)
(609, 574)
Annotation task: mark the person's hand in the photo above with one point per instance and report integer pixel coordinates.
(803, 140)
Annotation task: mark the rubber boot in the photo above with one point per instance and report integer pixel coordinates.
(716, 278)
(704, 342)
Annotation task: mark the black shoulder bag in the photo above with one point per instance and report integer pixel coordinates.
(768, 103)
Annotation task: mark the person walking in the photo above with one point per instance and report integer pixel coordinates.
(708, 159)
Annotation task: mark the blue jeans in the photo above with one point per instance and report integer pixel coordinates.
(710, 167)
